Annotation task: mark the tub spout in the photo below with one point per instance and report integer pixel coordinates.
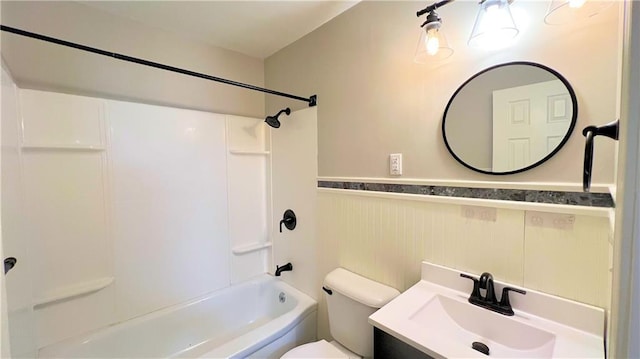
(284, 268)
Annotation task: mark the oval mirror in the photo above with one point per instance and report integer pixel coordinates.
(509, 118)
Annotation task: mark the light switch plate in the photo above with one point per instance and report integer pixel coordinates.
(395, 164)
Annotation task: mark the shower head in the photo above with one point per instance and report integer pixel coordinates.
(273, 120)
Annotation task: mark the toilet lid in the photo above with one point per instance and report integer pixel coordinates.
(319, 349)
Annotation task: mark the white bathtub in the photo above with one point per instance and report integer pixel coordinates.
(245, 320)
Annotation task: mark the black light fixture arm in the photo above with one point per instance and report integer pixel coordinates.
(312, 100)
(432, 7)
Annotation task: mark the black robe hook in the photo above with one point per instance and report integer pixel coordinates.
(610, 130)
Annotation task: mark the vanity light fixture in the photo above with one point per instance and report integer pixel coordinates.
(433, 43)
(564, 11)
(494, 26)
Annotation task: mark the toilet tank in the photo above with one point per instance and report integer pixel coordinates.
(353, 299)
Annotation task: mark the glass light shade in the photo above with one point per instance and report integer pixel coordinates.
(432, 45)
(564, 11)
(494, 26)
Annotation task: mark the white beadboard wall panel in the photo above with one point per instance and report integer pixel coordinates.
(58, 119)
(385, 239)
(571, 263)
(487, 246)
(329, 235)
(171, 239)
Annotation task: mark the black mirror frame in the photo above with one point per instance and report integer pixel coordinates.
(574, 117)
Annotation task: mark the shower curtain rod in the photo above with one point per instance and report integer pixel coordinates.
(312, 100)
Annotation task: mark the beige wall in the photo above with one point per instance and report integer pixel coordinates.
(373, 100)
(40, 65)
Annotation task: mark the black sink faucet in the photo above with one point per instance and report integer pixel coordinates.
(486, 282)
(283, 268)
(489, 299)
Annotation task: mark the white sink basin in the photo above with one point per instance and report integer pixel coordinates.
(467, 323)
(435, 317)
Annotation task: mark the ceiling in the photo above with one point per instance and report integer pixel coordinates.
(254, 28)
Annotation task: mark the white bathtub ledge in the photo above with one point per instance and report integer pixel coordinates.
(247, 344)
(250, 342)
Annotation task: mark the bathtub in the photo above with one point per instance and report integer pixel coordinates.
(261, 318)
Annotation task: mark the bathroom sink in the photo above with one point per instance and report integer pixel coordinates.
(467, 323)
(435, 317)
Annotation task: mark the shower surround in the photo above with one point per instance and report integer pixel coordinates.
(131, 208)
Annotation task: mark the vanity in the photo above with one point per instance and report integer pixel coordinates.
(436, 319)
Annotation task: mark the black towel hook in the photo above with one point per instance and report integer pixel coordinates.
(610, 130)
(9, 263)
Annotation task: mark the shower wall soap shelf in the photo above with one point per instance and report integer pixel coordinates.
(61, 147)
(73, 291)
(249, 248)
(610, 130)
(248, 152)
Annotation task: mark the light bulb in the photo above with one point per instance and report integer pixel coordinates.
(565, 11)
(494, 27)
(495, 17)
(432, 42)
(576, 3)
(492, 10)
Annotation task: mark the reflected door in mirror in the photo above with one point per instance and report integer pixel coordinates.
(529, 122)
(509, 118)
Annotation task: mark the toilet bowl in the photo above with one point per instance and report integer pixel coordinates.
(351, 299)
(321, 349)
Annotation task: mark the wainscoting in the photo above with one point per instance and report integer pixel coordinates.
(385, 239)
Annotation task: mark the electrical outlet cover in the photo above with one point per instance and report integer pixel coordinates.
(395, 164)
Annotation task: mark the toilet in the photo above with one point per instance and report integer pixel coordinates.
(351, 299)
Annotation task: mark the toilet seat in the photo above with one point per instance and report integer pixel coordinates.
(320, 349)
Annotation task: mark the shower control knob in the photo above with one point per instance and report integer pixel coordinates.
(289, 220)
